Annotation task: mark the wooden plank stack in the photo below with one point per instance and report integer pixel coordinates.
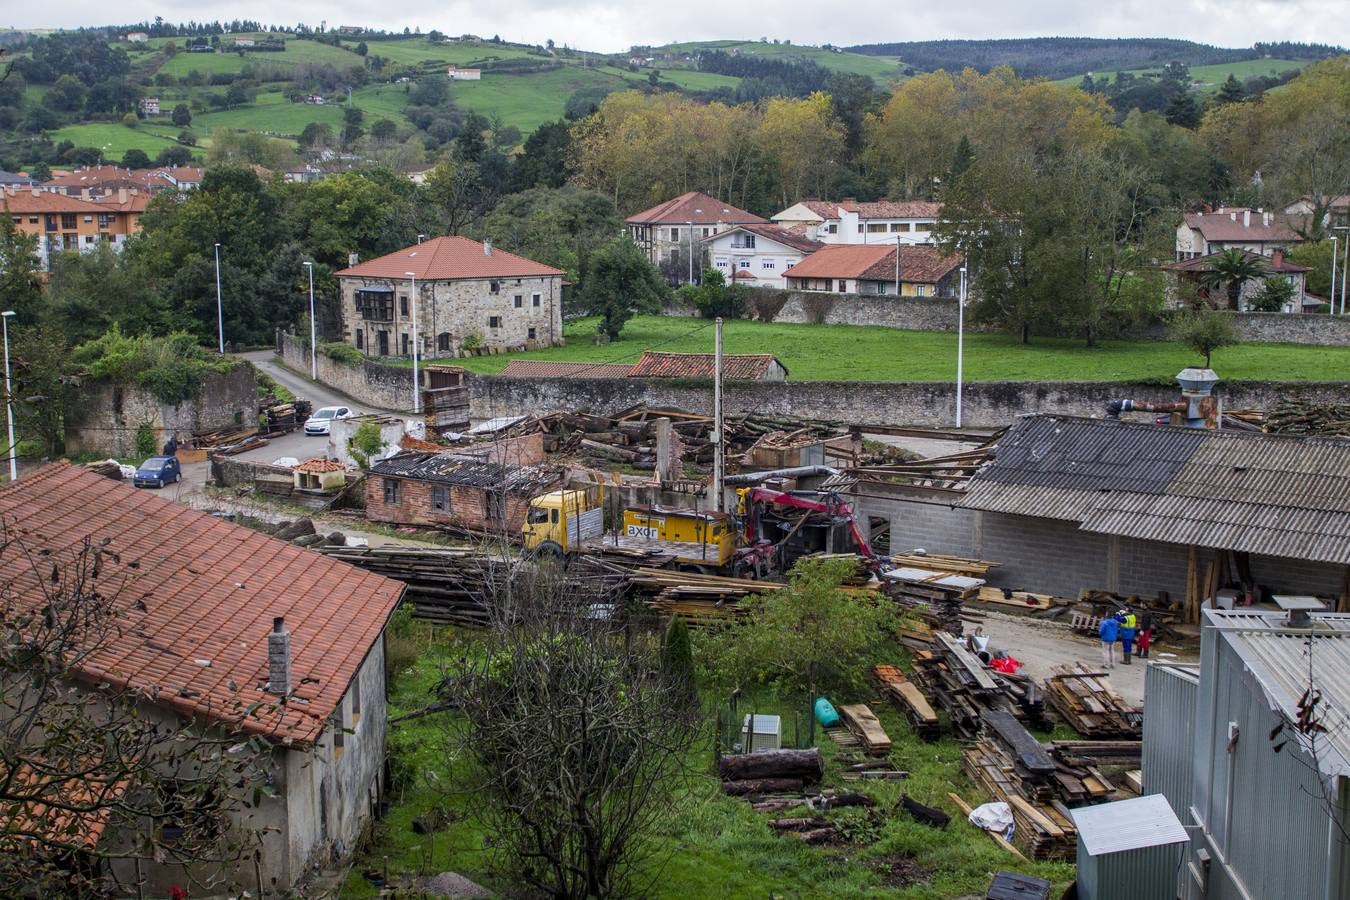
(700, 600)
(444, 585)
(907, 698)
(1086, 702)
(863, 722)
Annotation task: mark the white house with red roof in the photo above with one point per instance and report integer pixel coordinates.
(670, 233)
(758, 255)
(850, 222)
(1259, 231)
(449, 293)
(874, 269)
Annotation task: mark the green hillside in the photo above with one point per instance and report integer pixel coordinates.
(884, 69)
(1210, 78)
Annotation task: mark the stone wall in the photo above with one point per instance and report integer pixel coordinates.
(371, 383)
(108, 415)
(985, 404)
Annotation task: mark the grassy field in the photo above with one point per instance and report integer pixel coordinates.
(711, 845)
(856, 353)
(528, 101)
(115, 139)
(1211, 78)
(271, 113)
(882, 68)
(295, 52)
(416, 51)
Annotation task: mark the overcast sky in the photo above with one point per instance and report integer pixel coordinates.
(611, 25)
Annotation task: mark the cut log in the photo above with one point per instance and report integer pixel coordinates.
(798, 824)
(744, 786)
(928, 815)
(806, 764)
(817, 835)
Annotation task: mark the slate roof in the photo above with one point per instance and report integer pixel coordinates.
(541, 368)
(448, 259)
(735, 367)
(466, 471)
(696, 207)
(198, 595)
(1226, 225)
(1279, 495)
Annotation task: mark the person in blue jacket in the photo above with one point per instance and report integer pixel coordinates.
(1128, 621)
(1109, 631)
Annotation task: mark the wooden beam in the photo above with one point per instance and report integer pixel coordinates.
(998, 838)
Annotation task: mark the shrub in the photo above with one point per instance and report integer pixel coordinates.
(400, 644)
(817, 307)
(765, 304)
(146, 440)
(472, 341)
(343, 353)
(1204, 331)
(677, 659)
(1273, 296)
(173, 368)
(365, 443)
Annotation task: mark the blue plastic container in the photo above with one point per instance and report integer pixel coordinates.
(825, 713)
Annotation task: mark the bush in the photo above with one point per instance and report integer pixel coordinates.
(343, 353)
(173, 368)
(1276, 292)
(472, 341)
(677, 659)
(400, 643)
(1204, 331)
(131, 120)
(147, 442)
(365, 443)
(714, 297)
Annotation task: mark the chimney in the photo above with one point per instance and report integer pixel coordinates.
(353, 259)
(279, 658)
(1268, 218)
(121, 195)
(1277, 258)
(1246, 218)
(1202, 407)
(487, 248)
(1232, 217)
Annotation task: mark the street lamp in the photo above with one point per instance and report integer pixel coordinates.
(960, 343)
(417, 405)
(220, 313)
(9, 402)
(313, 332)
(1344, 268)
(1331, 295)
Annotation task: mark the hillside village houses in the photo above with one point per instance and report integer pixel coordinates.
(873, 270)
(669, 233)
(96, 181)
(851, 222)
(467, 294)
(459, 73)
(758, 255)
(1258, 230)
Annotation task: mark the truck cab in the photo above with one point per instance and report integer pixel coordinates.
(561, 521)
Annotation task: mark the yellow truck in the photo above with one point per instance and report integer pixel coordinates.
(568, 521)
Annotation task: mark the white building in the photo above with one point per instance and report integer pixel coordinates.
(758, 255)
(671, 233)
(455, 73)
(851, 222)
(150, 106)
(1258, 230)
(137, 37)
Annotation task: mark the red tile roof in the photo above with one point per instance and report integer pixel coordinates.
(1227, 225)
(25, 201)
(785, 236)
(1202, 264)
(198, 595)
(695, 207)
(880, 209)
(64, 805)
(542, 368)
(449, 258)
(737, 367)
(321, 465)
(876, 262)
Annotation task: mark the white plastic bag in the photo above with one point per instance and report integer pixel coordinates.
(996, 817)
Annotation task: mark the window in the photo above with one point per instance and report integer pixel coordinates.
(875, 227)
(843, 287)
(766, 264)
(356, 702)
(50, 223)
(494, 286)
(407, 344)
(707, 232)
(391, 490)
(518, 301)
(921, 290)
(375, 306)
(69, 221)
(360, 339)
(88, 219)
(743, 242)
(860, 228)
(900, 226)
(743, 262)
(534, 301)
(529, 336)
(440, 499)
(494, 321)
(403, 305)
(32, 220)
(722, 263)
(443, 341)
(88, 238)
(492, 506)
(339, 734)
(18, 220)
(675, 234)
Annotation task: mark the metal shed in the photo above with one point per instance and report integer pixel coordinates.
(1169, 733)
(1130, 849)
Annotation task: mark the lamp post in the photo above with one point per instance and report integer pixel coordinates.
(9, 402)
(417, 405)
(691, 252)
(1345, 267)
(960, 343)
(313, 331)
(1331, 295)
(220, 310)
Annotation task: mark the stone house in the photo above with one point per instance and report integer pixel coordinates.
(1257, 230)
(874, 270)
(194, 642)
(670, 233)
(456, 491)
(851, 222)
(467, 294)
(758, 255)
(1187, 277)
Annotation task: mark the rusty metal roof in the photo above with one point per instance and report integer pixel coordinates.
(1279, 495)
(197, 596)
(467, 471)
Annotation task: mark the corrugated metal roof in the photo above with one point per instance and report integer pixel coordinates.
(1128, 825)
(1281, 495)
(449, 468)
(1284, 661)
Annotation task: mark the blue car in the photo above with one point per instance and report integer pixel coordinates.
(158, 471)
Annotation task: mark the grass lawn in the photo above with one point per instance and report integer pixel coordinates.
(417, 51)
(858, 353)
(711, 845)
(1211, 78)
(232, 61)
(115, 139)
(883, 69)
(270, 113)
(528, 101)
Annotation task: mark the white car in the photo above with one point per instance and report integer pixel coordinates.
(322, 420)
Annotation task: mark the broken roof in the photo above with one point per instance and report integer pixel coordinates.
(198, 595)
(467, 471)
(696, 207)
(735, 367)
(1279, 495)
(448, 259)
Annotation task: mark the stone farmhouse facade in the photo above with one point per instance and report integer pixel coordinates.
(450, 294)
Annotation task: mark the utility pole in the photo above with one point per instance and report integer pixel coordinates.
(220, 309)
(1345, 267)
(313, 331)
(417, 385)
(691, 252)
(960, 343)
(717, 419)
(9, 402)
(1331, 299)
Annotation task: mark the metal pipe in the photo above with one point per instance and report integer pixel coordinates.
(791, 472)
(220, 309)
(417, 387)
(1115, 407)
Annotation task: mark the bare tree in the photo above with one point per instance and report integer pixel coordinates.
(578, 737)
(91, 772)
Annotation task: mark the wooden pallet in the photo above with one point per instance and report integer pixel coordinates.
(864, 723)
(909, 700)
(1086, 702)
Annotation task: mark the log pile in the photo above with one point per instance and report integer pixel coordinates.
(909, 700)
(1098, 753)
(1086, 702)
(1292, 416)
(770, 771)
(227, 441)
(867, 727)
(934, 595)
(444, 584)
(108, 468)
(700, 600)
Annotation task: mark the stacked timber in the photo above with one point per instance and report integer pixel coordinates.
(935, 594)
(770, 771)
(1292, 416)
(909, 700)
(867, 727)
(961, 684)
(444, 584)
(1098, 753)
(700, 600)
(1086, 702)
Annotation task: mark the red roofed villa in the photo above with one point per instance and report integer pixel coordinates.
(669, 233)
(872, 269)
(850, 222)
(467, 293)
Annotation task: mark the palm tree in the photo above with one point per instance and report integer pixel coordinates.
(1231, 269)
